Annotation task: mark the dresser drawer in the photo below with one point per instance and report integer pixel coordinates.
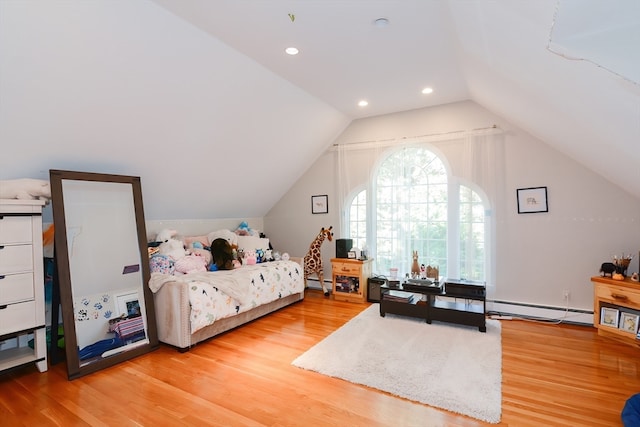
(16, 288)
(16, 259)
(619, 295)
(15, 229)
(346, 268)
(17, 317)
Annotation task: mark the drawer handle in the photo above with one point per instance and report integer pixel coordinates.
(2, 307)
(2, 277)
(619, 296)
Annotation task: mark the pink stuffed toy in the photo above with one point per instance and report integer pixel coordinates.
(191, 264)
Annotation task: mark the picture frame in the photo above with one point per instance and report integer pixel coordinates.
(629, 322)
(532, 200)
(127, 304)
(319, 204)
(609, 316)
(351, 254)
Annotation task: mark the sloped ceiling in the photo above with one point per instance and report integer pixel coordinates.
(198, 98)
(567, 71)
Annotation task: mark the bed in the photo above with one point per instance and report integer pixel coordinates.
(194, 307)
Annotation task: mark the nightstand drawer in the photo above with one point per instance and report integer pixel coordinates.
(15, 229)
(16, 259)
(346, 268)
(16, 288)
(17, 317)
(618, 295)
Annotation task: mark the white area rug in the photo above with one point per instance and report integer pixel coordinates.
(452, 367)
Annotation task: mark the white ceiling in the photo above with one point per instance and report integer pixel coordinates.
(520, 59)
(193, 94)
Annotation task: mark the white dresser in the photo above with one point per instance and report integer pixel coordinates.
(22, 307)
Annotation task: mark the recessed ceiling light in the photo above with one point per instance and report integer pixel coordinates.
(363, 103)
(381, 22)
(291, 51)
(427, 90)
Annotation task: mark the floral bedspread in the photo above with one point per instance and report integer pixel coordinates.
(267, 282)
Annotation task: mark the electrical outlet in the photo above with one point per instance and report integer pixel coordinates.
(565, 294)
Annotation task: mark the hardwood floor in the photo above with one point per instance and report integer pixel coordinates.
(552, 376)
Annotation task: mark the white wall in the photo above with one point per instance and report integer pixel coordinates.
(537, 255)
(127, 87)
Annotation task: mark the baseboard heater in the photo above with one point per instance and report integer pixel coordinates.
(541, 312)
(314, 283)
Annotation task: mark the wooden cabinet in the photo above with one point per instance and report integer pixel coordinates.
(349, 279)
(620, 301)
(22, 310)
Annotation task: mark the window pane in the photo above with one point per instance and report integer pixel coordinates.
(357, 220)
(411, 210)
(472, 227)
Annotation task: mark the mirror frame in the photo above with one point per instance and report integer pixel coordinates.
(61, 255)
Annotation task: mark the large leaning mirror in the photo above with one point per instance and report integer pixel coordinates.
(103, 269)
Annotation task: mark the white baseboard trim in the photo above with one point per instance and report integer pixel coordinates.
(313, 283)
(541, 312)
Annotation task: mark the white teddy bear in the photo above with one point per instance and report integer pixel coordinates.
(169, 246)
(25, 189)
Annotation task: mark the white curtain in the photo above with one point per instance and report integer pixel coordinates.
(473, 158)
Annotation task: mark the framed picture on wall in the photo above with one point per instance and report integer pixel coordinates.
(532, 200)
(128, 304)
(319, 204)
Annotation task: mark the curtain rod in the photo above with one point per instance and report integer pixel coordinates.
(442, 136)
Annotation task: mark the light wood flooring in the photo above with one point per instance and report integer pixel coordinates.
(552, 376)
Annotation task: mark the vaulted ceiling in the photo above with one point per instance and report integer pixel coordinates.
(567, 71)
(199, 99)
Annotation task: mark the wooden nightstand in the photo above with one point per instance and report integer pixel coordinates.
(621, 297)
(349, 279)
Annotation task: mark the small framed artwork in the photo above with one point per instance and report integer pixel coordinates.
(609, 317)
(351, 254)
(628, 322)
(128, 304)
(532, 200)
(319, 204)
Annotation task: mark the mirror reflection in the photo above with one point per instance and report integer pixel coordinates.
(102, 267)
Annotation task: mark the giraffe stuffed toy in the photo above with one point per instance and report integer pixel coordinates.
(313, 258)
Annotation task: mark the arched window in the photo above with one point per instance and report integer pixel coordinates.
(472, 258)
(412, 207)
(358, 220)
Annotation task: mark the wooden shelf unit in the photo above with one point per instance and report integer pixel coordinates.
(460, 302)
(623, 295)
(349, 279)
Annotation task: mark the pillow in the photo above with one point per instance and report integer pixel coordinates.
(252, 243)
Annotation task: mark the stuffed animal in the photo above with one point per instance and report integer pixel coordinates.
(169, 246)
(250, 258)
(25, 189)
(244, 230)
(204, 254)
(222, 254)
(191, 264)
